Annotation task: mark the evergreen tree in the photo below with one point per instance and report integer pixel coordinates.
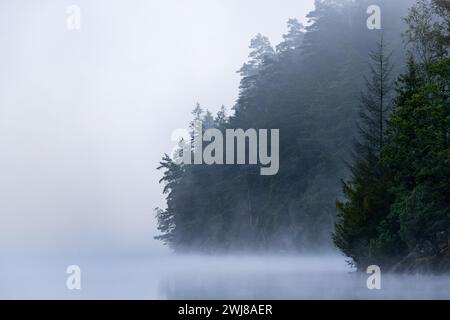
(367, 198)
(167, 218)
(410, 230)
(261, 53)
(307, 88)
(221, 117)
(293, 40)
(418, 154)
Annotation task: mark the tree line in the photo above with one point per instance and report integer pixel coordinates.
(396, 211)
(331, 88)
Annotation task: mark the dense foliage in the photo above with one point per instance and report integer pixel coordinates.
(394, 206)
(397, 212)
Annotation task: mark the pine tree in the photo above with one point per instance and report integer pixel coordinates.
(367, 200)
(208, 120)
(167, 224)
(307, 88)
(293, 40)
(400, 219)
(261, 53)
(376, 102)
(221, 117)
(418, 154)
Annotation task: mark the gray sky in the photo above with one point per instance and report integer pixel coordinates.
(86, 115)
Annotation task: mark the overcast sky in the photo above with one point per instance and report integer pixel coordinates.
(86, 115)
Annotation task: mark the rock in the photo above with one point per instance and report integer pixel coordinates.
(422, 260)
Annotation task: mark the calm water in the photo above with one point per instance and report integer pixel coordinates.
(162, 276)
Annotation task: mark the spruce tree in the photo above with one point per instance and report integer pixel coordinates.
(367, 200)
(418, 150)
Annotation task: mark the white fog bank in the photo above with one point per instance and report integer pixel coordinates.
(163, 276)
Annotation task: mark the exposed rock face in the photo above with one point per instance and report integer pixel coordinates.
(426, 259)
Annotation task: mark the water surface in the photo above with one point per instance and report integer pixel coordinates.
(161, 276)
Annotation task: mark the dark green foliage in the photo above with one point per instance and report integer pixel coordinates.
(368, 198)
(397, 213)
(419, 156)
(309, 88)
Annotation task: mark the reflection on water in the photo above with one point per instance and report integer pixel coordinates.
(199, 277)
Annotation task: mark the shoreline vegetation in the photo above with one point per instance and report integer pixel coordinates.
(364, 144)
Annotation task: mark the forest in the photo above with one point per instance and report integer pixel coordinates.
(364, 144)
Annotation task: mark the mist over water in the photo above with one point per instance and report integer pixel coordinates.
(84, 120)
(165, 276)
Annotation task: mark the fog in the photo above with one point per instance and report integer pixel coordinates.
(86, 115)
(163, 276)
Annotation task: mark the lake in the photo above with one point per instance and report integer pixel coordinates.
(165, 276)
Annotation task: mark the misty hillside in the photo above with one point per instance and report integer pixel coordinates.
(338, 122)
